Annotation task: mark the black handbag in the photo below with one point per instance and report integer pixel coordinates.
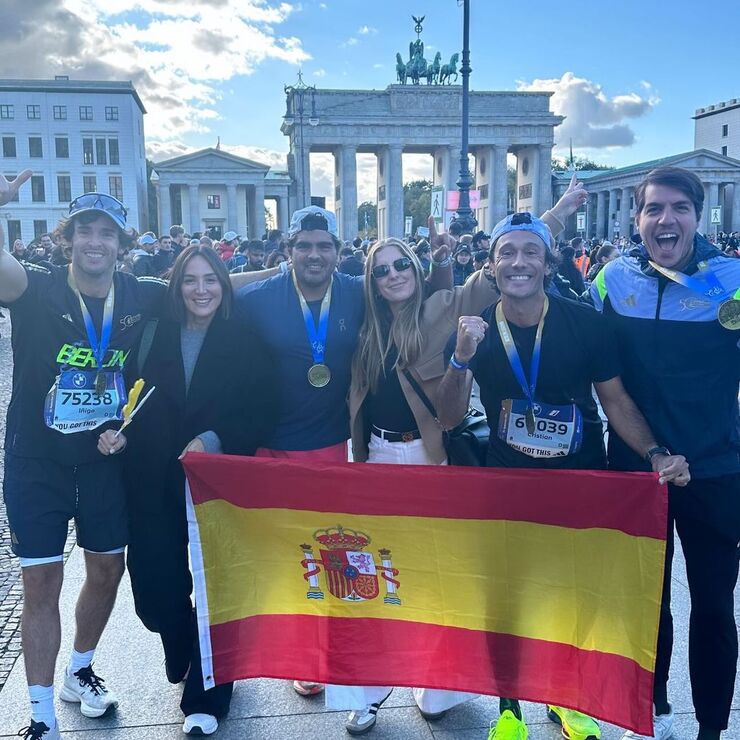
(467, 443)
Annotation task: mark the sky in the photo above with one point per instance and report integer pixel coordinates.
(627, 75)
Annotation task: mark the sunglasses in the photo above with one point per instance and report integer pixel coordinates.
(314, 222)
(521, 218)
(99, 201)
(399, 265)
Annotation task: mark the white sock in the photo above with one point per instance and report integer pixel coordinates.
(79, 660)
(42, 705)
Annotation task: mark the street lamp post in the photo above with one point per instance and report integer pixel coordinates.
(297, 93)
(464, 215)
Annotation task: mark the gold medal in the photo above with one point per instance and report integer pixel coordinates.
(319, 375)
(728, 314)
(100, 383)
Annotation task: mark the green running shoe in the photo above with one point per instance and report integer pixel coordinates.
(508, 727)
(574, 725)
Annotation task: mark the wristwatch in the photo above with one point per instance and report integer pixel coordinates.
(657, 450)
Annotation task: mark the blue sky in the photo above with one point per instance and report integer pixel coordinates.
(628, 75)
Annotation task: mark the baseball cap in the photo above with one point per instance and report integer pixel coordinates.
(313, 218)
(230, 236)
(101, 202)
(523, 221)
(147, 239)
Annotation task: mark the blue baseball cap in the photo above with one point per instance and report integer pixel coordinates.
(313, 218)
(524, 221)
(101, 202)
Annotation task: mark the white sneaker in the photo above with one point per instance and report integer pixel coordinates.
(200, 724)
(88, 690)
(361, 721)
(662, 728)
(40, 731)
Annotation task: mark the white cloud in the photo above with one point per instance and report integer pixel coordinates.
(593, 120)
(367, 30)
(378, 66)
(174, 51)
(351, 41)
(323, 6)
(320, 73)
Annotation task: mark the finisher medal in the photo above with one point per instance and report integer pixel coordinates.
(100, 383)
(728, 314)
(319, 375)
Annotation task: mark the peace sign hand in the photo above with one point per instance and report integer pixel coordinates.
(571, 200)
(8, 190)
(443, 245)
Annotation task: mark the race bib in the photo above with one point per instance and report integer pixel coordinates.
(72, 405)
(558, 430)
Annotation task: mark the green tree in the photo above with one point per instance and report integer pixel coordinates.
(581, 163)
(370, 210)
(417, 202)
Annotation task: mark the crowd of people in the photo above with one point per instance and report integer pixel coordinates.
(288, 347)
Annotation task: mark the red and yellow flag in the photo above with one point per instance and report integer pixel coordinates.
(538, 585)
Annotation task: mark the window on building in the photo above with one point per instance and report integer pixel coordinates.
(60, 112)
(115, 186)
(89, 184)
(725, 129)
(9, 146)
(61, 144)
(14, 231)
(33, 112)
(16, 198)
(113, 155)
(86, 113)
(39, 228)
(87, 151)
(111, 112)
(38, 191)
(724, 151)
(35, 147)
(64, 186)
(7, 111)
(100, 151)
(214, 202)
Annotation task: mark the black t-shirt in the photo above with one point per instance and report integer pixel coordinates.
(577, 350)
(388, 408)
(49, 336)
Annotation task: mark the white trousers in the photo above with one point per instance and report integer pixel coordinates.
(430, 701)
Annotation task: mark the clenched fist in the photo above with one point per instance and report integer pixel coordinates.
(470, 333)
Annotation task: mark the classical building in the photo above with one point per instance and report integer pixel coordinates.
(76, 136)
(610, 210)
(212, 190)
(420, 119)
(717, 128)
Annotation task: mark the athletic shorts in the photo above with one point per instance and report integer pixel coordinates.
(41, 497)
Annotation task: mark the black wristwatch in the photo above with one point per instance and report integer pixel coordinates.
(657, 450)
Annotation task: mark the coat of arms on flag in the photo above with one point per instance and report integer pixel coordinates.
(351, 573)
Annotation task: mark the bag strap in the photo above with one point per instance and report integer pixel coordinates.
(147, 338)
(422, 396)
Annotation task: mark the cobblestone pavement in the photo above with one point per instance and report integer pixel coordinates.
(11, 592)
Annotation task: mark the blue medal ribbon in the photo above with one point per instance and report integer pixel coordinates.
(708, 285)
(316, 334)
(515, 361)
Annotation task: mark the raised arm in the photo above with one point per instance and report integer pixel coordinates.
(570, 201)
(13, 280)
(442, 245)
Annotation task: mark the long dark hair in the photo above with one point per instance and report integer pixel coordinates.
(177, 275)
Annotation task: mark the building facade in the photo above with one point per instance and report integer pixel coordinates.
(717, 128)
(76, 137)
(213, 191)
(610, 210)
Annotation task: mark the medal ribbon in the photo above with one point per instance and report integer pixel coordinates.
(99, 348)
(511, 352)
(316, 335)
(708, 285)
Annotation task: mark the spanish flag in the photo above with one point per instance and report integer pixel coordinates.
(531, 584)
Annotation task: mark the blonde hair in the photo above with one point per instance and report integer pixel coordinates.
(381, 331)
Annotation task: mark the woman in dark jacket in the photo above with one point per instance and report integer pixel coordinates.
(569, 270)
(214, 393)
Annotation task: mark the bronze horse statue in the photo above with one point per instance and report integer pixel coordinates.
(448, 70)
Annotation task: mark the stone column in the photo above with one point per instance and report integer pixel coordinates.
(453, 167)
(394, 190)
(165, 208)
(706, 215)
(589, 218)
(283, 214)
(497, 193)
(624, 212)
(232, 219)
(347, 154)
(600, 209)
(543, 183)
(735, 224)
(709, 204)
(302, 174)
(611, 214)
(194, 209)
(258, 220)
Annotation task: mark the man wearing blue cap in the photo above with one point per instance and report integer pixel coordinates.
(75, 330)
(535, 357)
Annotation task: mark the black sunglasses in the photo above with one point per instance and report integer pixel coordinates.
(401, 264)
(521, 218)
(314, 222)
